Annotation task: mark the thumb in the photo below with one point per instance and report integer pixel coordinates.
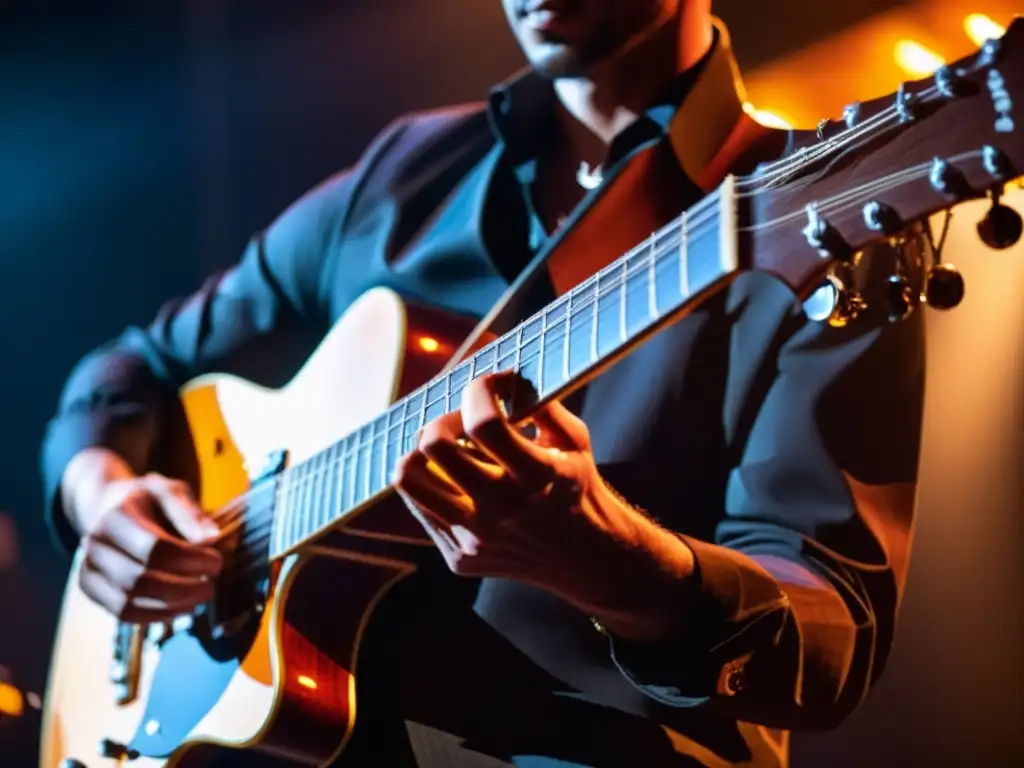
(183, 512)
(558, 428)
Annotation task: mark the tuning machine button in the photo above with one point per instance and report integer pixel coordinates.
(844, 304)
(1002, 226)
(945, 287)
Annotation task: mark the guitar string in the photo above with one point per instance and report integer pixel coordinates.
(313, 474)
(666, 248)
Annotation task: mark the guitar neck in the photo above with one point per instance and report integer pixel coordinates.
(556, 351)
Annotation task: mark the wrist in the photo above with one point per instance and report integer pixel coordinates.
(84, 481)
(661, 587)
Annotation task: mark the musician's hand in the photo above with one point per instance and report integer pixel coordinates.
(497, 503)
(148, 556)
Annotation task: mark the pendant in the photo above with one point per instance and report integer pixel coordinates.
(587, 178)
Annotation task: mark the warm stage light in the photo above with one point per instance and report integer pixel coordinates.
(428, 344)
(980, 28)
(11, 702)
(766, 117)
(916, 60)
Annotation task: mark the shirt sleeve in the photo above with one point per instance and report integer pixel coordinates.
(795, 601)
(260, 319)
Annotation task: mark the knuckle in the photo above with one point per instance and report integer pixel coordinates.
(431, 434)
(406, 466)
(478, 429)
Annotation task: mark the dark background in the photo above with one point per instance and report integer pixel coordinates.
(142, 142)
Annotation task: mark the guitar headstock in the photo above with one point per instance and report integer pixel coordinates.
(891, 163)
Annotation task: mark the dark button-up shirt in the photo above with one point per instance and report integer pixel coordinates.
(782, 450)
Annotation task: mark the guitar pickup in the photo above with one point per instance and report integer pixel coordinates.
(126, 662)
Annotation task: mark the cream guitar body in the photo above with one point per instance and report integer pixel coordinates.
(146, 697)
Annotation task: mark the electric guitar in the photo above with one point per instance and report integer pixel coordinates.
(259, 668)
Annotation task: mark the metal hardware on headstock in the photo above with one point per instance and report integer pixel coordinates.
(823, 237)
(904, 104)
(847, 303)
(1002, 226)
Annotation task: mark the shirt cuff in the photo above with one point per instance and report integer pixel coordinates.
(740, 611)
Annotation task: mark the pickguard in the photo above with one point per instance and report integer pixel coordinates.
(186, 686)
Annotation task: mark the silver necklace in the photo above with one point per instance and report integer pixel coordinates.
(587, 177)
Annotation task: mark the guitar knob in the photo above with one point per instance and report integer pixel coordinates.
(1001, 227)
(945, 287)
(116, 750)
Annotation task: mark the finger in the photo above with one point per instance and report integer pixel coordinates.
(418, 480)
(461, 464)
(136, 581)
(132, 529)
(459, 547)
(559, 428)
(485, 422)
(114, 600)
(435, 528)
(181, 509)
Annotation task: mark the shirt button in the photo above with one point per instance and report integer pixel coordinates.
(733, 678)
(734, 681)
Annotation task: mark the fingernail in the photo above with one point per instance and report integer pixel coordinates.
(210, 529)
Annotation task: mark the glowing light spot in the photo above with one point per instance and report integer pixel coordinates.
(307, 682)
(767, 117)
(980, 28)
(11, 702)
(428, 344)
(916, 60)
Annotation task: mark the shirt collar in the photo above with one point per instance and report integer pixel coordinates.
(698, 113)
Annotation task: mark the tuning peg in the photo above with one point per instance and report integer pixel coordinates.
(900, 297)
(945, 287)
(1001, 227)
(846, 304)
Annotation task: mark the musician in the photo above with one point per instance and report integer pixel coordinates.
(704, 551)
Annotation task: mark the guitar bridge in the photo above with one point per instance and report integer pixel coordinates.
(126, 662)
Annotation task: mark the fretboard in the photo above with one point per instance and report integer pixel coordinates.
(554, 350)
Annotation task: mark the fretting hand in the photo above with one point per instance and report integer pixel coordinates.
(497, 503)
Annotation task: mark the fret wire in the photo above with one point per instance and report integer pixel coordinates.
(369, 462)
(568, 333)
(293, 528)
(597, 305)
(518, 364)
(652, 299)
(684, 272)
(622, 300)
(314, 491)
(340, 468)
(540, 355)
